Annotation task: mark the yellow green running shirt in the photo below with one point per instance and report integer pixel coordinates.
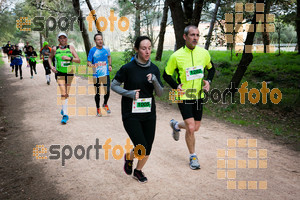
(189, 66)
(60, 64)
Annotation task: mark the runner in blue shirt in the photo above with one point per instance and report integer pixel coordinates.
(100, 60)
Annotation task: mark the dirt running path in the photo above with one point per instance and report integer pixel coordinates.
(31, 117)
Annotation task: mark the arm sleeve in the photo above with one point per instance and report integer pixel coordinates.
(158, 86)
(211, 72)
(116, 87)
(170, 80)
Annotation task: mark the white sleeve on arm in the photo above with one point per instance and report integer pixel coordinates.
(116, 86)
(157, 87)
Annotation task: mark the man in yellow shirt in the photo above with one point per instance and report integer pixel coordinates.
(188, 64)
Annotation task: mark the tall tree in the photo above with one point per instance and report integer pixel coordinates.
(212, 23)
(162, 32)
(183, 15)
(93, 12)
(266, 35)
(298, 25)
(247, 55)
(84, 32)
(138, 8)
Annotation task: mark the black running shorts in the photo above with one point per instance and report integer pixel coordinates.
(60, 76)
(191, 109)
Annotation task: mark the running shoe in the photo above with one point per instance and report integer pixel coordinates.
(139, 176)
(62, 112)
(99, 112)
(107, 108)
(194, 164)
(31, 77)
(127, 165)
(65, 119)
(175, 132)
(21, 77)
(48, 82)
(35, 72)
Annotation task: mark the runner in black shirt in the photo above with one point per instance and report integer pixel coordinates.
(7, 49)
(17, 61)
(31, 56)
(11, 58)
(140, 77)
(26, 50)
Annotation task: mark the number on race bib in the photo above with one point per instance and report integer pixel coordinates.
(141, 105)
(193, 73)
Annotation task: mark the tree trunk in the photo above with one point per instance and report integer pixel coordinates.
(246, 57)
(197, 12)
(188, 11)
(212, 23)
(279, 37)
(178, 21)
(180, 17)
(94, 13)
(41, 37)
(162, 32)
(298, 25)
(137, 27)
(266, 35)
(41, 40)
(84, 32)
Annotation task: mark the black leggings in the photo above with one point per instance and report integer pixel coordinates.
(106, 84)
(32, 67)
(141, 132)
(47, 67)
(18, 67)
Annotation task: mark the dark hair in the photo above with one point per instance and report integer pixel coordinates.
(187, 29)
(97, 35)
(139, 40)
(31, 47)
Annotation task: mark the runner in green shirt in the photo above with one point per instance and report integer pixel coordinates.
(64, 73)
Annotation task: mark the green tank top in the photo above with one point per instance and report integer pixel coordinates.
(63, 66)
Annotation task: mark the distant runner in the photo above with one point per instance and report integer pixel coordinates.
(8, 47)
(17, 61)
(99, 58)
(26, 49)
(44, 54)
(31, 55)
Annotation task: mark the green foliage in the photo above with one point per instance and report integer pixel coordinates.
(1, 60)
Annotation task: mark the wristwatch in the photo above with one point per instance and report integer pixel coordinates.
(209, 81)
